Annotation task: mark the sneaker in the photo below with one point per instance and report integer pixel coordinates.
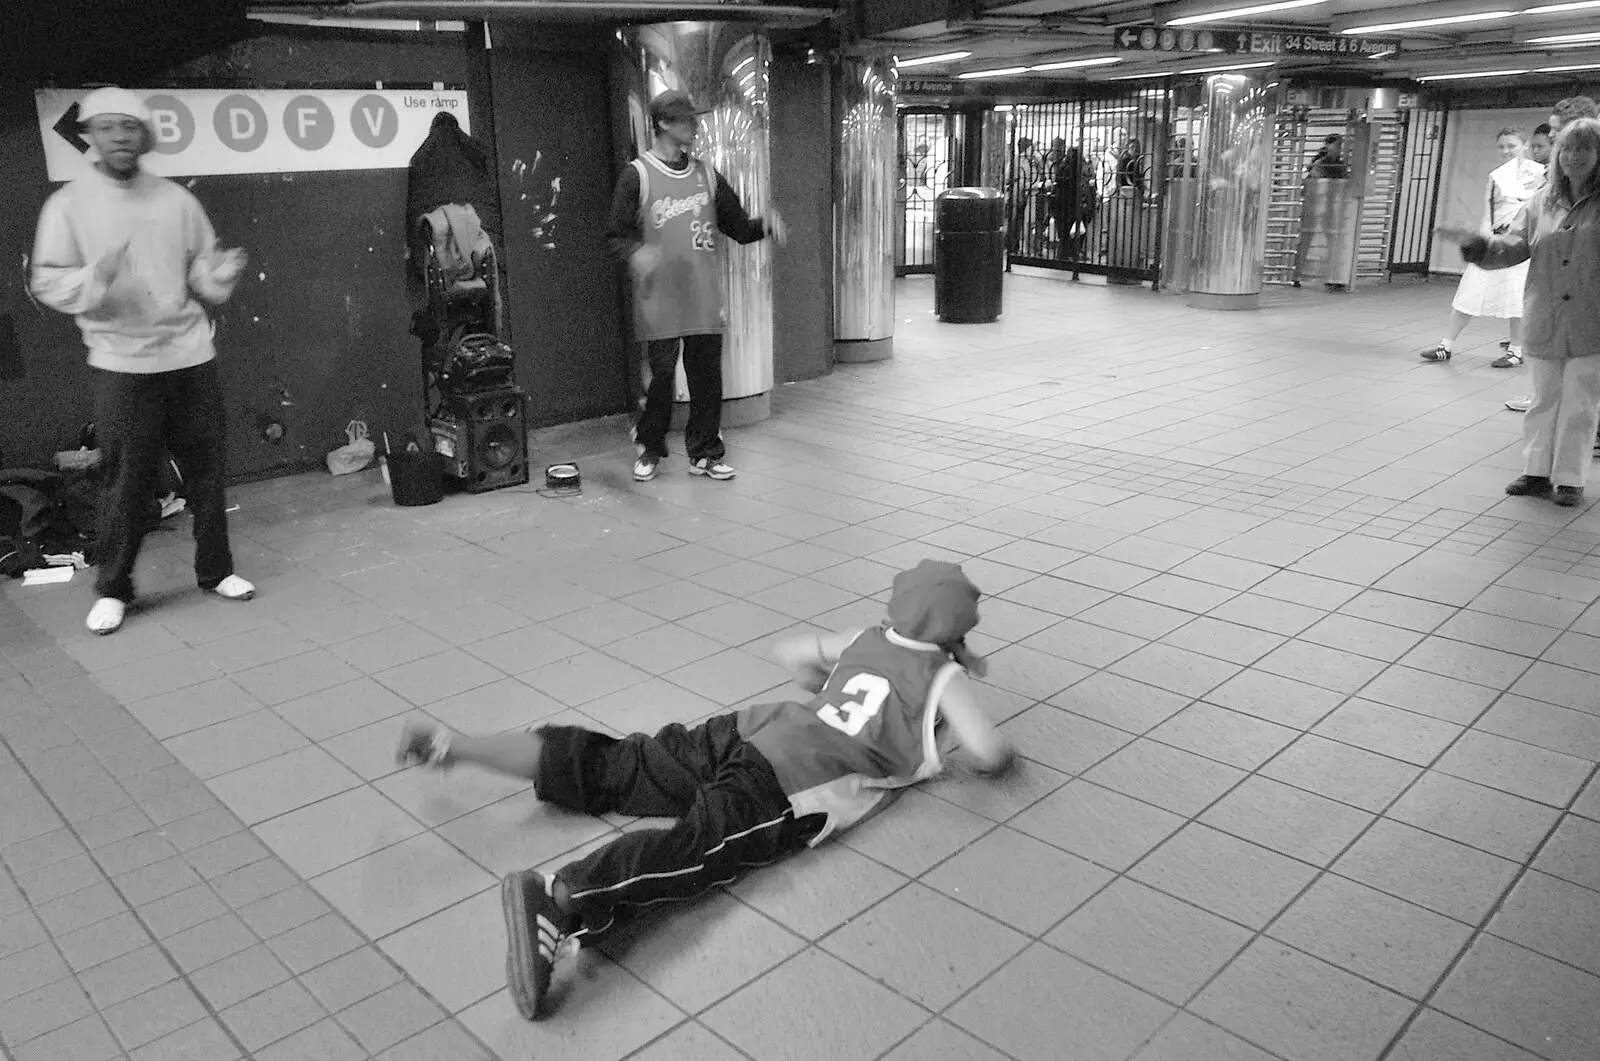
(1438, 353)
(1520, 404)
(1506, 360)
(1529, 486)
(234, 588)
(1569, 496)
(644, 469)
(535, 928)
(171, 505)
(423, 746)
(714, 468)
(106, 615)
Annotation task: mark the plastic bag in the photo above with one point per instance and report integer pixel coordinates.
(355, 455)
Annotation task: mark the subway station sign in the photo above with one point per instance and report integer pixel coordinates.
(1178, 40)
(202, 132)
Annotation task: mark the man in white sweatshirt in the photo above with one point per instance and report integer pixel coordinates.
(129, 254)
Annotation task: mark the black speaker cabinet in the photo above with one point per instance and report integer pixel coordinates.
(482, 439)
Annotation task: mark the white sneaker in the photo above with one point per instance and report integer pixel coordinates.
(644, 469)
(1520, 404)
(234, 588)
(106, 615)
(716, 469)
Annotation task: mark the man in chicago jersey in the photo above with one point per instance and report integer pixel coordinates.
(748, 787)
(667, 213)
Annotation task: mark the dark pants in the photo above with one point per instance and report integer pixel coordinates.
(702, 364)
(732, 813)
(138, 419)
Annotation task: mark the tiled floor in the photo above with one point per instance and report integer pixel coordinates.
(1311, 714)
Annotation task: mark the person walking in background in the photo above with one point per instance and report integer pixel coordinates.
(668, 209)
(1132, 169)
(1027, 173)
(1558, 234)
(132, 256)
(1327, 164)
(1496, 292)
(1073, 202)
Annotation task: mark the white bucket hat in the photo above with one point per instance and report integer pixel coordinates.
(114, 101)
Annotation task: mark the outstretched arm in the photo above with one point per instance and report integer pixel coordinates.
(980, 737)
(811, 659)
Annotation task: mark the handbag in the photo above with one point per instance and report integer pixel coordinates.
(355, 454)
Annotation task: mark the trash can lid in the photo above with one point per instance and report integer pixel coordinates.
(970, 193)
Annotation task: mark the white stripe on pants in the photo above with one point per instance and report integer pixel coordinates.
(1558, 430)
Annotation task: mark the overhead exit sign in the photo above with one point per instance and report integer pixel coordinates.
(1179, 41)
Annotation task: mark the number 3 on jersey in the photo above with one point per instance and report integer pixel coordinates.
(867, 692)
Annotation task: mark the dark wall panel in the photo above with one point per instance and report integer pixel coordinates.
(802, 189)
(323, 336)
(553, 123)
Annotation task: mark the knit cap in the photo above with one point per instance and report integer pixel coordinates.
(933, 602)
(112, 100)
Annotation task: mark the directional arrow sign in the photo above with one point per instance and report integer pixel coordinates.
(66, 127)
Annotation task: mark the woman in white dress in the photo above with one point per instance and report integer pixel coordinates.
(1496, 292)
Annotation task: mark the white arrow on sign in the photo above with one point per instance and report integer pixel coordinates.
(1128, 37)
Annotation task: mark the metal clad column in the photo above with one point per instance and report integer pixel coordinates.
(864, 209)
(724, 67)
(1235, 153)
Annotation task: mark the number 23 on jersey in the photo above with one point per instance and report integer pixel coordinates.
(867, 694)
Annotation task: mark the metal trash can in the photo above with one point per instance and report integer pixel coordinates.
(969, 254)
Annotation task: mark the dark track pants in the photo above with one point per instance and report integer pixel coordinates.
(732, 813)
(702, 366)
(138, 419)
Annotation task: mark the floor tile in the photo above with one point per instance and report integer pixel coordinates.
(938, 1040)
(342, 708)
(819, 889)
(1061, 740)
(1361, 636)
(1017, 879)
(890, 943)
(239, 976)
(1044, 998)
(1276, 699)
(1098, 824)
(1562, 686)
(917, 832)
(519, 831)
(1436, 1037)
(1187, 1037)
(1402, 735)
(1163, 945)
(1224, 640)
(155, 1013)
(435, 677)
(1558, 919)
(1287, 820)
(1117, 701)
(1502, 824)
(1394, 943)
(236, 743)
(1440, 874)
(1573, 852)
(272, 1015)
(1165, 776)
(394, 887)
(1175, 669)
(774, 1018)
(337, 830)
(1300, 1007)
(1545, 725)
(1526, 998)
(1521, 769)
(1227, 736)
(1234, 878)
(1339, 771)
(275, 786)
(82, 1040)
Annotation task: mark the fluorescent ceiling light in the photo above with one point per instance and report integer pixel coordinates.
(1551, 9)
(1140, 77)
(1004, 106)
(1222, 69)
(1069, 64)
(1006, 72)
(1472, 74)
(1385, 54)
(1566, 38)
(1242, 12)
(1564, 69)
(929, 60)
(1446, 20)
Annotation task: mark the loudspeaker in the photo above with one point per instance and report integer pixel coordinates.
(482, 439)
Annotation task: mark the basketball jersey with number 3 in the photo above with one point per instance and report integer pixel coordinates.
(678, 216)
(869, 729)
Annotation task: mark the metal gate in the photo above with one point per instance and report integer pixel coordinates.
(1086, 184)
(932, 149)
(1298, 135)
(1417, 197)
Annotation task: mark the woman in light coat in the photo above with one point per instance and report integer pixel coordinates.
(1496, 292)
(1558, 234)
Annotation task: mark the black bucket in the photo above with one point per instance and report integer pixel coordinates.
(416, 479)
